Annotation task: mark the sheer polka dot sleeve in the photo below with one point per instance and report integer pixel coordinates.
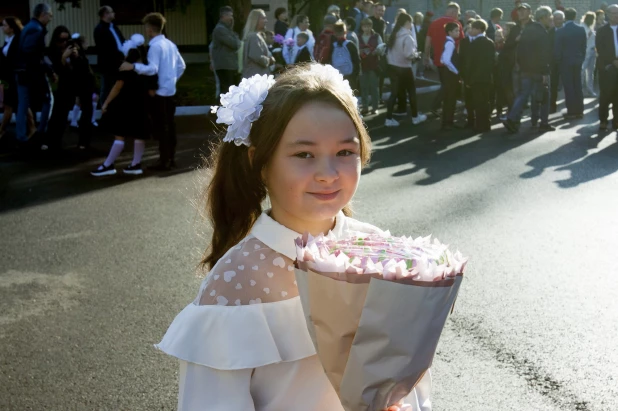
(251, 273)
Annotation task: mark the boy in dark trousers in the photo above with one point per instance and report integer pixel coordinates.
(450, 75)
(302, 55)
(477, 58)
(344, 55)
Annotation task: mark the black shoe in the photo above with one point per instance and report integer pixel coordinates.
(133, 170)
(534, 123)
(553, 109)
(603, 126)
(511, 126)
(546, 127)
(101, 171)
(614, 125)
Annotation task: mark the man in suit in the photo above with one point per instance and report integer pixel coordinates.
(31, 72)
(225, 46)
(570, 53)
(494, 19)
(607, 62)
(554, 76)
(533, 56)
(477, 60)
(356, 10)
(108, 41)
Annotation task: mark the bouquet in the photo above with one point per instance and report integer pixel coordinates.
(278, 39)
(375, 306)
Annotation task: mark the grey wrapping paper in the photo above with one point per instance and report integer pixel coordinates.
(375, 339)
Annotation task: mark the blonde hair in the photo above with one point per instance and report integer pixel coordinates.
(251, 24)
(236, 191)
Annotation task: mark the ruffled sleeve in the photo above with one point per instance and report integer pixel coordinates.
(243, 337)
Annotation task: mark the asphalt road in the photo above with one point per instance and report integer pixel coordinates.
(93, 271)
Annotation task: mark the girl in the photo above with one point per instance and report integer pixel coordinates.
(589, 22)
(82, 44)
(369, 78)
(257, 59)
(243, 343)
(401, 53)
(11, 26)
(125, 111)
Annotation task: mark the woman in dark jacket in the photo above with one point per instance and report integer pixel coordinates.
(11, 26)
(60, 52)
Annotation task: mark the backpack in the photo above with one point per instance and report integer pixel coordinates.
(341, 58)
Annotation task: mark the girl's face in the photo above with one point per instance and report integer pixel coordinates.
(367, 29)
(315, 169)
(304, 25)
(408, 25)
(6, 28)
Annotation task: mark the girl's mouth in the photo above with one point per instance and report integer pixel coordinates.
(325, 195)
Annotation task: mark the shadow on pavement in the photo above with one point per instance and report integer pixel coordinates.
(36, 177)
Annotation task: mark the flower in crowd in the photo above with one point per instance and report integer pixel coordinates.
(289, 42)
(241, 106)
(279, 39)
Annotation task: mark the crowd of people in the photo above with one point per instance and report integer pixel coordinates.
(137, 85)
(487, 66)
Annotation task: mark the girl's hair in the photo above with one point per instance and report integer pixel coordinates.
(402, 19)
(590, 18)
(137, 54)
(14, 23)
(56, 35)
(251, 24)
(236, 190)
(350, 23)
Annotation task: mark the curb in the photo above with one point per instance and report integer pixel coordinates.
(201, 110)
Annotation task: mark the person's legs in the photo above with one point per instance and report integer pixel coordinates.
(566, 73)
(469, 101)
(226, 80)
(170, 113)
(85, 122)
(138, 151)
(63, 102)
(578, 92)
(407, 78)
(6, 119)
(374, 87)
(23, 105)
(554, 80)
(482, 107)
(522, 98)
(437, 103)
(395, 89)
(364, 86)
(114, 151)
(450, 100)
(606, 95)
(543, 103)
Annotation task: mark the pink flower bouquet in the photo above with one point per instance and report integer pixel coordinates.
(290, 42)
(368, 299)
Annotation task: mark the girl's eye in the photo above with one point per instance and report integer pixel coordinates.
(345, 153)
(303, 155)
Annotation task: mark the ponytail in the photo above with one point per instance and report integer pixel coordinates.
(234, 200)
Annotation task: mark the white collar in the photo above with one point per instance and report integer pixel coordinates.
(449, 38)
(156, 38)
(281, 239)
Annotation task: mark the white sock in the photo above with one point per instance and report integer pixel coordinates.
(138, 151)
(94, 112)
(75, 115)
(114, 152)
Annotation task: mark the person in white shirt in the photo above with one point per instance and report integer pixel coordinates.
(450, 59)
(165, 61)
(588, 22)
(300, 24)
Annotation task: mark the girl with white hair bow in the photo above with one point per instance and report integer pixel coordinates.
(125, 111)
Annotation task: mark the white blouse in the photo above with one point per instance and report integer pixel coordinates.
(5, 49)
(243, 342)
(590, 36)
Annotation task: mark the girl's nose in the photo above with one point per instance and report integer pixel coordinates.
(327, 170)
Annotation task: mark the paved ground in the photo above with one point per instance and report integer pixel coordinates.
(93, 271)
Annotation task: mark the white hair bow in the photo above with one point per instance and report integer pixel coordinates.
(134, 42)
